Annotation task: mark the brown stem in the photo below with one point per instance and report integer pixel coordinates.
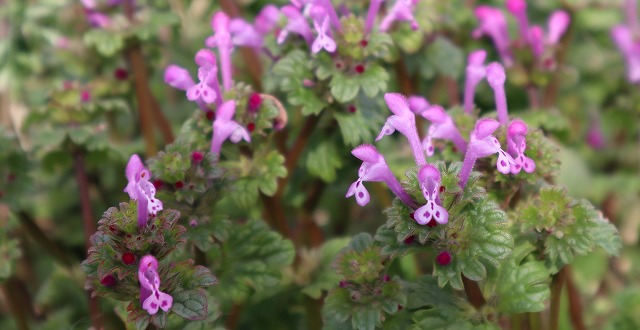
(535, 321)
(474, 294)
(296, 150)
(453, 94)
(90, 226)
(534, 97)
(32, 228)
(313, 308)
(407, 86)
(575, 303)
(161, 120)
(234, 317)
(308, 230)
(556, 293)
(16, 303)
(140, 80)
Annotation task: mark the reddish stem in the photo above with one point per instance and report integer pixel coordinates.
(556, 293)
(575, 302)
(474, 294)
(90, 226)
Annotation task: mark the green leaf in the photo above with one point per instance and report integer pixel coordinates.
(253, 260)
(323, 160)
(366, 318)
(425, 292)
(107, 43)
(191, 305)
(481, 240)
(343, 88)
(354, 127)
(269, 169)
(373, 80)
(307, 98)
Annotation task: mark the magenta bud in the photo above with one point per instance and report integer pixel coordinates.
(254, 102)
(108, 281)
(196, 157)
(444, 258)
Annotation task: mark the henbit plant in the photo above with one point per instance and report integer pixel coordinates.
(240, 220)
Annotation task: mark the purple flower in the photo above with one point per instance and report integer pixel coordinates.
(518, 8)
(296, 23)
(536, 39)
(442, 127)
(418, 104)
(331, 12)
(516, 145)
(207, 90)
(429, 178)
(496, 78)
(267, 19)
(475, 73)
(402, 10)
(482, 144)
(151, 297)
(244, 34)
(558, 23)
(595, 138)
(374, 169)
(179, 78)
(226, 128)
(222, 40)
(494, 25)
(623, 38)
(631, 11)
(140, 189)
(323, 40)
(374, 8)
(404, 121)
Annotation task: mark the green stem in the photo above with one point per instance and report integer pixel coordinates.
(535, 321)
(556, 293)
(313, 308)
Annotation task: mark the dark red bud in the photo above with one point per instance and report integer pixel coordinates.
(351, 108)
(364, 43)
(128, 258)
(444, 258)
(254, 102)
(113, 228)
(343, 284)
(442, 189)
(67, 84)
(211, 115)
(157, 184)
(412, 216)
(432, 223)
(179, 184)
(120, 74)
(409, 240)
(359, 68)
(400, 307)
(196, 157)
(251, 127)
(108, 281)
(386, 278)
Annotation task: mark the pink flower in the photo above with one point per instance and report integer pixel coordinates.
(516, 145)
(222, 40)
(442, 127)
(207, 89)
(429, 178)
(151, 297)
(475, 73)
(296, 23)
(402, 10)
(404, 121)
(224, 127)
(482, 144)
(323, 40)
(374, 169)
(141, 189)
(496, 78)
(494, 25)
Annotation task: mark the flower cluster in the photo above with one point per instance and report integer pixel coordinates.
(493, 24)
(482, 143)
(207, 91)
(315, 21)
